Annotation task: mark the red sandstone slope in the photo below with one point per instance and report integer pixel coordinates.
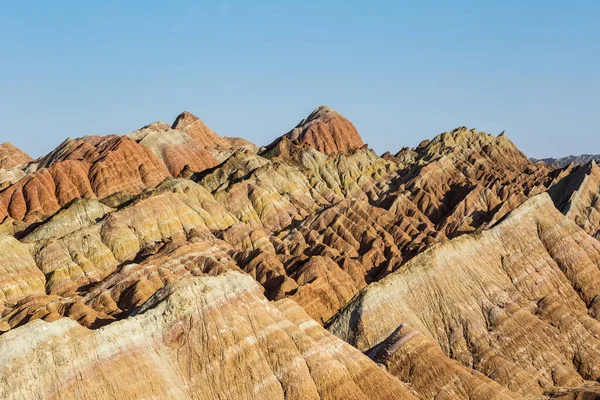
(174, 149)
(10, 156)
(327, 131)
(102, 166)
(90, 167)
(197, 130)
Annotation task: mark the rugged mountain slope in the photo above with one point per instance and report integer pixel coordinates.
(108, 231)
(199, 338)
(90, 167)
(118, 166)
(309, 226)
(13, 161)
(577, 196)
(519, 303)
(327, 131)
(10, 156)
(197, 130)
(464, 179)
(174, 149)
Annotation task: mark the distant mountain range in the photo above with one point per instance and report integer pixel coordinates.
(564, 161)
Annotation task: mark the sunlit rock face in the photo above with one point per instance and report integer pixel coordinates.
(174, 149)
(198, 338)
(327, 131)
(101, 166)
(13, 164)
(518, 303)
(10, 156)
(172, 262)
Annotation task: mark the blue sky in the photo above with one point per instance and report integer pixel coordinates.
(401, 71)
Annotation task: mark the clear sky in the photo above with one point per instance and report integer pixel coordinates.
(401, 71)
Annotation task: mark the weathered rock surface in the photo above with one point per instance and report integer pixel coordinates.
(518, 303)
(197, 130)
(413, 357)
(10, 156)
(577, 196)
(13, 163)
(90, 167)
(199, 338)
(313, 227)
(174, 149)
(241, 144)
(327, 131)
(447, 264)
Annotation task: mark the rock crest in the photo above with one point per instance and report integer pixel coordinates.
(327, 131)
(175, 263)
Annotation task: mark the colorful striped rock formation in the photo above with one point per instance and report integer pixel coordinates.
(175, 263)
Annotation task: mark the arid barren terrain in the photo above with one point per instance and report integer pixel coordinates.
(173, 263)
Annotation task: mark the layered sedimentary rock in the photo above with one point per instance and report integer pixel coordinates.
(518, 303)
(19, 275)
(241, 144)
(13, 163)
(90, 167)
(175, 149)
(413, 357)
(99, 167)
(446, 264)
(577, 196)
(199, 338)
(313, 227)
(197, 130)
(327, 131)
(10, 156)
(463, 180)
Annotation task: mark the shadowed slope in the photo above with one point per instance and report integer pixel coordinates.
(518, 303)
(578, 197)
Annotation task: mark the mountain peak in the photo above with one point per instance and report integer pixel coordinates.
(465, 138)
(321, 112)
(11, 156)
(199, 131)
(185, 117)
(327, 131)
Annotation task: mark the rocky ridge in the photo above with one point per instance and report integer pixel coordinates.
(483, 286)
(327, 131)
(565, 161)
(13, 163)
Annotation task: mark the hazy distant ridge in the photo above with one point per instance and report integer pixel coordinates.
(564, 161)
